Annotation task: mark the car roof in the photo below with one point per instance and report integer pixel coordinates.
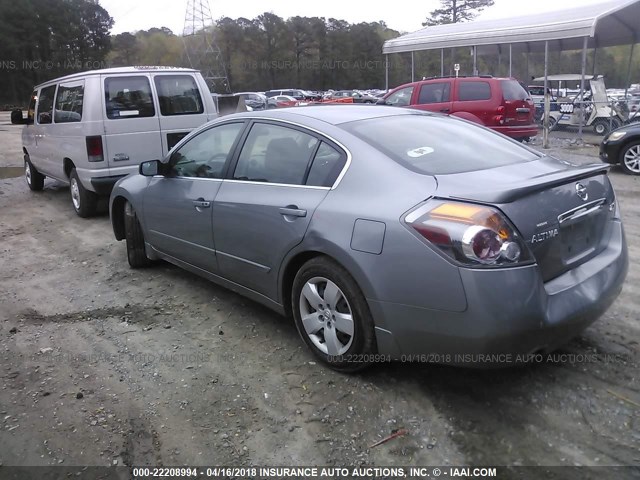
(332, 114)
(117, 70)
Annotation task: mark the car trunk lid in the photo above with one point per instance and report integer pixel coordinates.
(562, 211)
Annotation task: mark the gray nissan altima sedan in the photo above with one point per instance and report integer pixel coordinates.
(386, 233)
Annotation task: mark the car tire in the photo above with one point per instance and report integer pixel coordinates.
(85, 202)
(35, 180)
(553, 123)
(630, 158)
(340, 335)
(601, 126)
(136, 253)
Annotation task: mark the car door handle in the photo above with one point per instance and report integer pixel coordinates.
(292, 211)
(201, 203)
(444, 110)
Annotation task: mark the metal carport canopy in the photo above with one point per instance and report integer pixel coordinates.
(604, 24)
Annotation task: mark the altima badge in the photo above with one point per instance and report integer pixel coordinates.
(581, 191)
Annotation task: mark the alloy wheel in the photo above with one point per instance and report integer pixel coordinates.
(326, 316)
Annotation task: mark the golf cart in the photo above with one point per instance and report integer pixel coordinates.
(592, 106)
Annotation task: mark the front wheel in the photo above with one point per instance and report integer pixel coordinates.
(332, 315)
(630, 158)
(35, 180)
(85, 202)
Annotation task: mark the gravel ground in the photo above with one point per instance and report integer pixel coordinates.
(104, 365)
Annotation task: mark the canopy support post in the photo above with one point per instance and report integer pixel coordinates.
(584, 69)
(475, 61)
(412, 67)
(595, 51)
(510, 62)
(547, 100)
(386, 72)
(626, 85)
(442, 62)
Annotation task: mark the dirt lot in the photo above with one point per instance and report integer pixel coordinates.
(103, 365)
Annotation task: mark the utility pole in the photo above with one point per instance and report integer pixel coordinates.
(201, 51)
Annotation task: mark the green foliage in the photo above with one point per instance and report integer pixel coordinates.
(454, 11)
(44, 39)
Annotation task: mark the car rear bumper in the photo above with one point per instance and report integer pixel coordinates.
(511, 313)
(104, 185)
(512, 131)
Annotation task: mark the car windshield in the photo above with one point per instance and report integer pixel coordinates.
(437, 145)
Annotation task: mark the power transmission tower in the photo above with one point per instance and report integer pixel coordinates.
(200, 49)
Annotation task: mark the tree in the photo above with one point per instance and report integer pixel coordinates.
(454, 11)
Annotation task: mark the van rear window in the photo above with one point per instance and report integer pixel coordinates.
(178, 95)
(128, 97)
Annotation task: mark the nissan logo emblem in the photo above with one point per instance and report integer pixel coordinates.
(581, 191)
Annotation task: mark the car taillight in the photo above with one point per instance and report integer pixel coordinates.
(94, 148)
(470, 234)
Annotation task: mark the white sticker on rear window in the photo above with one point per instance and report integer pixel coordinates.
(420, 152)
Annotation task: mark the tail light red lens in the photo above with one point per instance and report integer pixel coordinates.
(470, 234)
(94, 148)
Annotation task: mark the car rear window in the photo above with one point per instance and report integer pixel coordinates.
(512, 90)
(430, 144)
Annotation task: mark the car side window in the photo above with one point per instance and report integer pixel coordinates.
(69, 101)
(128, 97)
(178, 95)
(275, 154)
(45, 105)
(400, 98)
(205, 155)
(434, 93)
(326, 167)
(468, 91)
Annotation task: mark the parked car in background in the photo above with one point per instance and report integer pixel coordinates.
(280, 101)
(253, 100)
(358, 97)
(295, 93)
(382, 233)
(90, 129)
(622, 146)
(501, 104)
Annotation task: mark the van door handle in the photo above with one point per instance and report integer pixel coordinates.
(201, 203)
(292, 211)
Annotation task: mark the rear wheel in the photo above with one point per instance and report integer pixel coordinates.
(332, 315)
(35, 180)
(85, 202)
(630, 158)
(136, 254)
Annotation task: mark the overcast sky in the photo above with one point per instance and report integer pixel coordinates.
(402, 15)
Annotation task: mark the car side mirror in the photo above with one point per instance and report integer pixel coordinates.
(150, 168)
(382, 101)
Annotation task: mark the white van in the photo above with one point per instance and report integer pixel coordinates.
(90, 129)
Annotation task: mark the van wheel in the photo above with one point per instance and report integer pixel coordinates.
(85, 202)
(332, 315)
(35, 180)
(136, 254)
